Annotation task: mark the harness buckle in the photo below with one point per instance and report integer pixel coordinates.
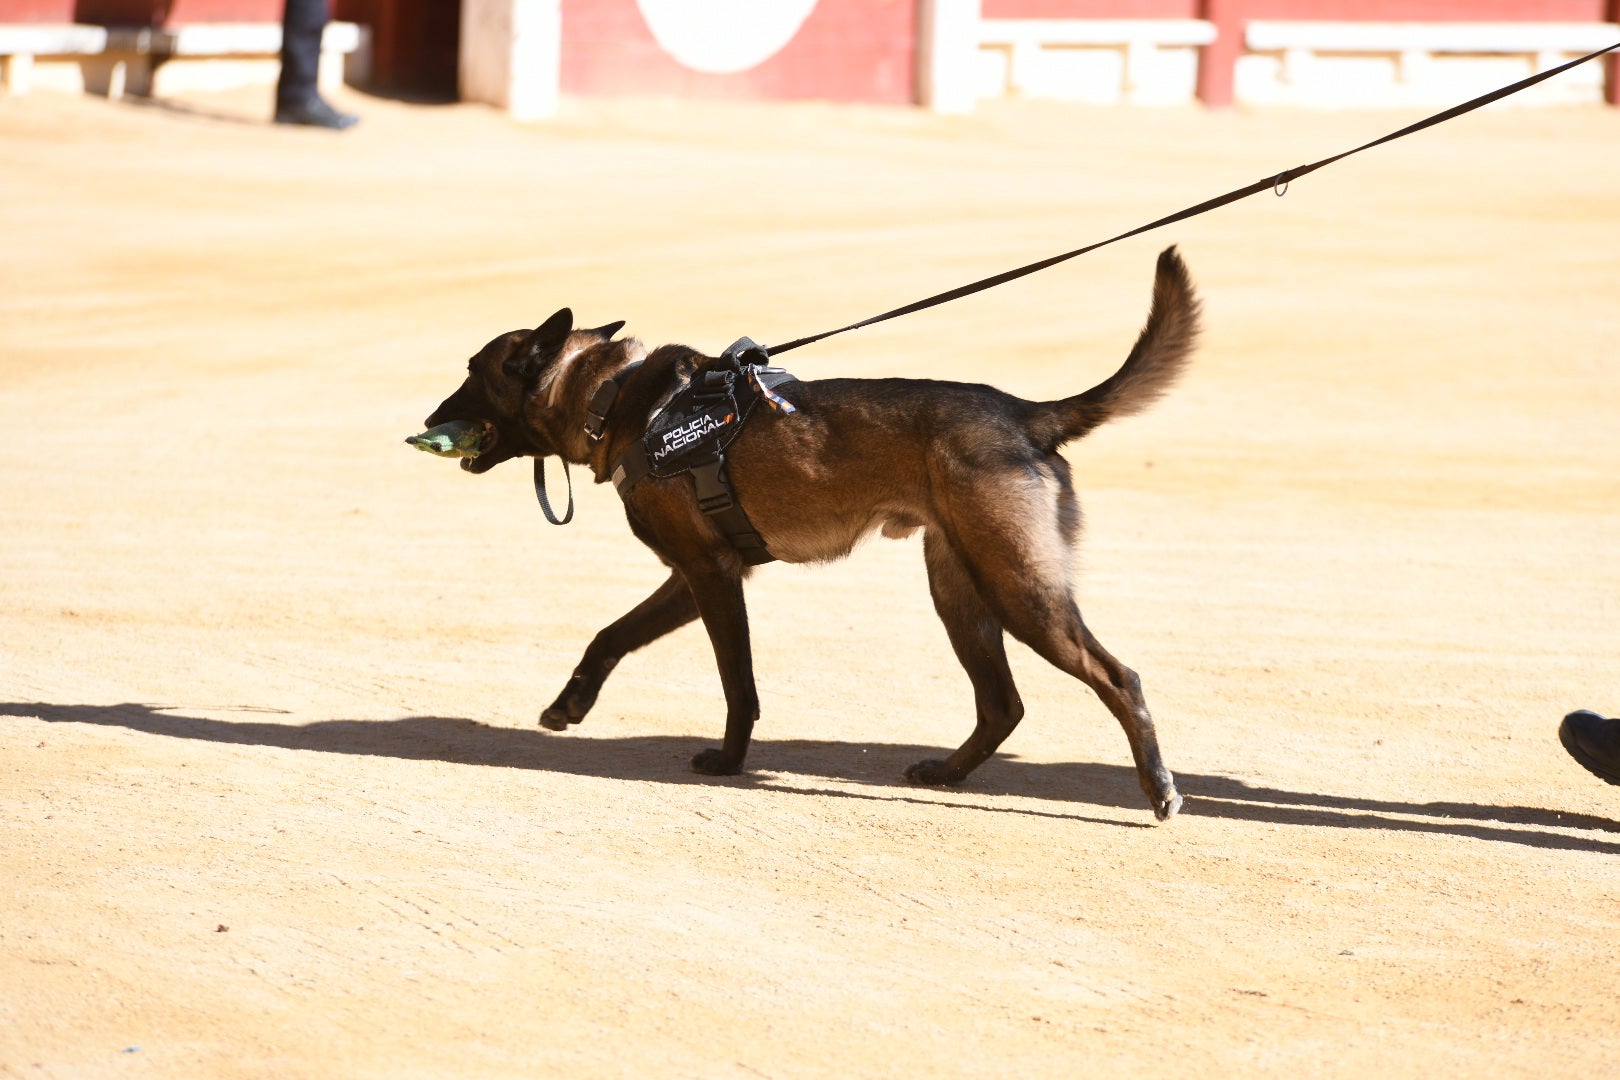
(713, 493)
(712, 386)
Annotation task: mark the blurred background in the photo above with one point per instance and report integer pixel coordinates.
(947, 54)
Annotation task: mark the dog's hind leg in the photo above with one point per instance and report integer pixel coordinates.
(977, 638)
(1043, 615)
(1121, 690)
(669, 608)
(1015, 541)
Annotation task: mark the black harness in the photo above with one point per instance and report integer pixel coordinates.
(689, 434)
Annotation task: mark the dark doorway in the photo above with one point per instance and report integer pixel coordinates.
(414, 44)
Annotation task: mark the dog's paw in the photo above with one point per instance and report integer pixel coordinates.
(715, 763)
(930, 773)
(556, 719)
(570, 707)
(1167, 808)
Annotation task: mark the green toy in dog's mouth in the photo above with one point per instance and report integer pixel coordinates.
(457, 439)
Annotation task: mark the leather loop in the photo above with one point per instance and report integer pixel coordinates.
(540, 492)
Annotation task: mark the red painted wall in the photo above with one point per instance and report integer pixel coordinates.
(171, 12)
(1330, 10)
(209, 11)
(36, 11)
(847, 50)
(1611, 63)
(1089, 9)
(1428, 10)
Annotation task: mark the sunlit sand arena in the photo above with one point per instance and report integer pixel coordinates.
(274, 800)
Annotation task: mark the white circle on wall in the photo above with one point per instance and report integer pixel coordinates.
(723, 37)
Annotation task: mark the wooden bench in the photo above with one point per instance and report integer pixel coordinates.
(116, 61)
(20, 43)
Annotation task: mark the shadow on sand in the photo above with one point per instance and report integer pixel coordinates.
(662, 759)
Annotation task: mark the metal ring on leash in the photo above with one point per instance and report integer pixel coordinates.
(1279, 186)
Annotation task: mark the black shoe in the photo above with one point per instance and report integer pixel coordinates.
(1594, 742)
(314, 112)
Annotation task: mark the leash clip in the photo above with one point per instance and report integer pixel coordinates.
(747, 356)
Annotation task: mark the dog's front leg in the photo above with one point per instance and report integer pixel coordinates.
(716, 585)
(669, 608)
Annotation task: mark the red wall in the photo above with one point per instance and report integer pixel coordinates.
(1089, 9)
(847, 50)
(36, 11)
(1330, 10)
(1429, 10)
(171, 12)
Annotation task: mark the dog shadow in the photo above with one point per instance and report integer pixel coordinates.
(874, 768)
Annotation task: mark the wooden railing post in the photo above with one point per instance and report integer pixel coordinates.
(1217, 63)
(1611, 63)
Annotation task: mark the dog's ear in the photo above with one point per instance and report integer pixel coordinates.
(544, 340)
(606, 332)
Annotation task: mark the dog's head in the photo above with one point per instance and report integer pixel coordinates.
(504, 388)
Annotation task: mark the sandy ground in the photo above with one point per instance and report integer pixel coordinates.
(273, 798)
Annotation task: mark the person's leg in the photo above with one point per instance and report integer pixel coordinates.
(301, 25)
(1594, 741)
(298, 99)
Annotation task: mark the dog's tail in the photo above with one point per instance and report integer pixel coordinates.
(1153, 366)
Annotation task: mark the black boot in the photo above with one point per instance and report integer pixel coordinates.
(314, 111)
(1593, 741)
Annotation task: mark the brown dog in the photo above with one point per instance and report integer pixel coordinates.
(976, 469)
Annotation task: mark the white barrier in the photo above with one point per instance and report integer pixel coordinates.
(511, 55)
(1098, 61)
(21, 45)
(1347, 64)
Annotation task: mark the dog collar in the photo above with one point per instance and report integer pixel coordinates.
(596, 418)
(601, 406)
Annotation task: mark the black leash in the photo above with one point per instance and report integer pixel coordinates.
(1278, 183)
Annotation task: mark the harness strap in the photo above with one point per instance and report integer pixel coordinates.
(635, 462)
(711, 480)
(718, 499)
(540, 492)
